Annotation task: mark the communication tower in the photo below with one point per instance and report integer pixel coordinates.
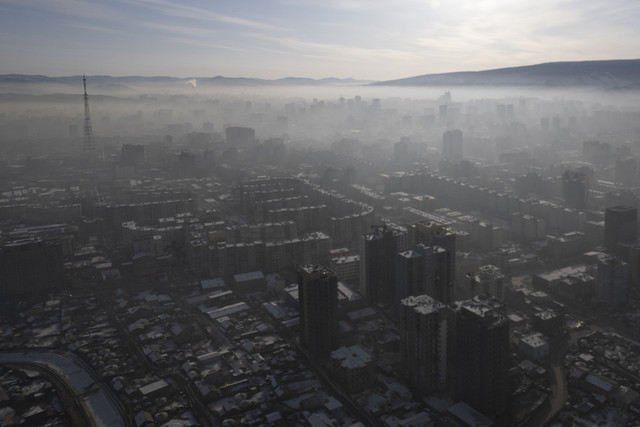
(88, 145)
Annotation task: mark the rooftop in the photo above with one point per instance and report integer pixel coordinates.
(423, 304)
(352, 357)
(535, 339)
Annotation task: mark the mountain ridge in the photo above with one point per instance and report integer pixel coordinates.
(193, 81)
(605, 74)
(614, 74)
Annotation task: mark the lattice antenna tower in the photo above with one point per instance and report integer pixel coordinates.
(88, 130)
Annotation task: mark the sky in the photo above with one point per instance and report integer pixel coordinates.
(270, 39)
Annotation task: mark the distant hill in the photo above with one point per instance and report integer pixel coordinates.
(124, 82)
(621, 74)
(612, 74)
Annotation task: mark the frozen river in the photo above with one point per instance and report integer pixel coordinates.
(103, 409)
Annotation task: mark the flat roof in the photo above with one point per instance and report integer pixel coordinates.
(212, 283)
(230, 309)
(469, 416)
(352, 357)
(246, 277)
(423, 304)
(153, 387)
(535, 339)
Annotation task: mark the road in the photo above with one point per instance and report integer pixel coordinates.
(551, 407)
(201, 412)
(559, 388)
(558, 378)
(351, 406)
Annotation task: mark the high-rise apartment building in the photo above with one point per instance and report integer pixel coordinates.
(318, 302)
(490, 281)
(432, 234)
(596, 152)
(238, 136)
(132, 154)
(346, 266)
(633, 260)
(30, 267)
(409, 273)
(437, 269)
(401, 150)
(423, 270)
(378, 263)
(620, 226)
(626, 171)
(452, 144)
(612, 281)
(575, 189)
(424, 343)
(482, 355)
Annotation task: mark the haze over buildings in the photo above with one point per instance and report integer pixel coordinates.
(443, 250)
(289, 252)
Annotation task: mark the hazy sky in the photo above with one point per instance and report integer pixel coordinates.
(365, 39)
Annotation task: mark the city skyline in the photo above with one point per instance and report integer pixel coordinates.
(377, 40)
(315, 255)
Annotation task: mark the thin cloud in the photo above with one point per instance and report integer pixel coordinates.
(187, 30)
(204, 44)
(481, 35)
(376, 37)
(359, 5)
(343, 52)
(174, 9)
(96, 28)
(73, 8)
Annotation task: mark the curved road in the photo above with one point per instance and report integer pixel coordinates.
(559, 392)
